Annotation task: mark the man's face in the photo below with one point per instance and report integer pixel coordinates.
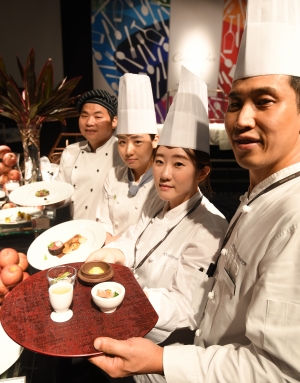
(262, 122)
(95, 124)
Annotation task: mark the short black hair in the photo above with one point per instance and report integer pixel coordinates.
(295, 84)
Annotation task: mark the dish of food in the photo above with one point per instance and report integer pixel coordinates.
(25, 316)
(107, 293)
(42, 193)
(93, 232)
(19, 215)
(9, 351)
(59, 248)
(26, 195)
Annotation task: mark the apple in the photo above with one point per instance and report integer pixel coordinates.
(14, 174)
(11, 275)
(3, 178)
(25, 275)
(3, 150)
(10, 159)
(8, 256)
(3, 288)
(23, 262)
(3, 168)
(8, 205)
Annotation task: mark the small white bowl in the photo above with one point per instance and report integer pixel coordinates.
(108, 305)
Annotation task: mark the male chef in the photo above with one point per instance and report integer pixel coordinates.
(250, 331)
(85, 164)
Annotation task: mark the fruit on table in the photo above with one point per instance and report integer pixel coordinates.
(8, 256)
(14, 175)
(11, 275)
(8, 160)
(23, 262)
(12, 270)
(3, 150)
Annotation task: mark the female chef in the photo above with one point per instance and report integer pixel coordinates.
(170, 248)
(127, 187)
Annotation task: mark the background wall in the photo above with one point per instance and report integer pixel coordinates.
(31, 24)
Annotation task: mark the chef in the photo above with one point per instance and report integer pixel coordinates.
(170, 248)
(250, 331)
(85, 164)
(128, 187)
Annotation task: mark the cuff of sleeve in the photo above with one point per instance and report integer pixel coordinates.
(181, 364)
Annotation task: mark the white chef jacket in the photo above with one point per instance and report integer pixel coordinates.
(86, 171)
(251, 326)
(171, 275)
(117, 208)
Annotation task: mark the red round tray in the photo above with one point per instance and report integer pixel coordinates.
(25, 316)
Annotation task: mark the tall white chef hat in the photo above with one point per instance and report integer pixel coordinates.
(136, 113)
(187, 124)
(270, 43)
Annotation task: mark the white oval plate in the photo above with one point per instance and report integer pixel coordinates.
(9, 351)
(39, 257)
(13, 212)
(25, 195)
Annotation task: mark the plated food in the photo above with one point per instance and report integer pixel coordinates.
(108, 296)
(40, 258)
(59, 248)
(42, 193)
(18, 215)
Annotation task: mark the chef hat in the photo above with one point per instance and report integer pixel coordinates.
(270, 43)
(136, 113)
(100, 97)
(187, 124)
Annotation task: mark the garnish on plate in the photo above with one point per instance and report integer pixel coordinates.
(61, 277)
(42, 193)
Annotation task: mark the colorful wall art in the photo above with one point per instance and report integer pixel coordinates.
(132, 36)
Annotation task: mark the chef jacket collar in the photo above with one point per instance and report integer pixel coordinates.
(85, 146)
(273, 178)
(179, 211)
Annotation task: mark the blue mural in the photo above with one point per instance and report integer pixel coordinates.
(133, 36)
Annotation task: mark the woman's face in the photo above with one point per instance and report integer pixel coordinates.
(136, 151)
(175, 176)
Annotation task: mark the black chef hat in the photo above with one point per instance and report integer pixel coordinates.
(100, 97)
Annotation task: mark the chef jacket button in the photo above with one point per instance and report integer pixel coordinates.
(136, 207)
(86, 207)
(82, 152)
(91, 190)
(97, 170)
(198, 332)
(97, 219)
(75, 167)
(74, 186)
(211, 295)
(118, 202)
(106, 154)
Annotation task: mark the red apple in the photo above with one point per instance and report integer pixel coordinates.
(3, 168)
(3, 178)
(8, 256)
(23, 262)
(3, 150)
(10, 159)
(14, 175)
(3, 288)
(11, 275)
(25, 275)
(8, 205)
